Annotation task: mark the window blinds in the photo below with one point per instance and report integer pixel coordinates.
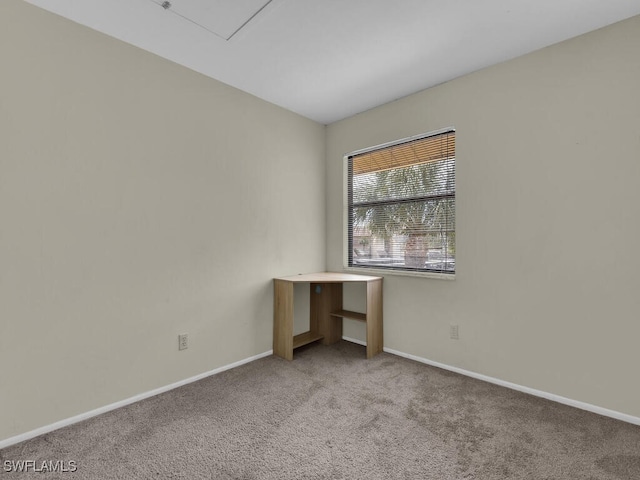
(401, 205)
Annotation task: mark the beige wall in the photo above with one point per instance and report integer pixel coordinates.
(120, 228)
(548, 208)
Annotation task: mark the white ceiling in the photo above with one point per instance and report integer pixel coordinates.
(330, 59)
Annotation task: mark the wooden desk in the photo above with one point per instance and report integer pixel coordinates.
(326, 312)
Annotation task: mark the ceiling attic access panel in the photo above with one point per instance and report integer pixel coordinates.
(223, 18)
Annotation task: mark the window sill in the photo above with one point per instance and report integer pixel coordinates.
(400, 273)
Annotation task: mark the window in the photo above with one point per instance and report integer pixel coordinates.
(401, 205)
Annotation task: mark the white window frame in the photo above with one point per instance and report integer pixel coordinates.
(345, 214)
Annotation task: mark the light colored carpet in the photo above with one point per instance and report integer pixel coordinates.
(332, 414)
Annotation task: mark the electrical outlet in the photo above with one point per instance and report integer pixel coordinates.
(183, 342)
(453, 332)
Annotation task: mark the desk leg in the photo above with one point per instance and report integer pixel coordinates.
(374, 318)
(283, 319)
(326, 298)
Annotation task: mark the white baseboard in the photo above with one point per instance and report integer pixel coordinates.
(513, 386)
(531, 391)
(136, 398)
(355, 340)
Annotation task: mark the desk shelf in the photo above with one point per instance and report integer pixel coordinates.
(361, 317)
(306, 338)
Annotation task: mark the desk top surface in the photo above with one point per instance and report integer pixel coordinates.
(328, 277)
